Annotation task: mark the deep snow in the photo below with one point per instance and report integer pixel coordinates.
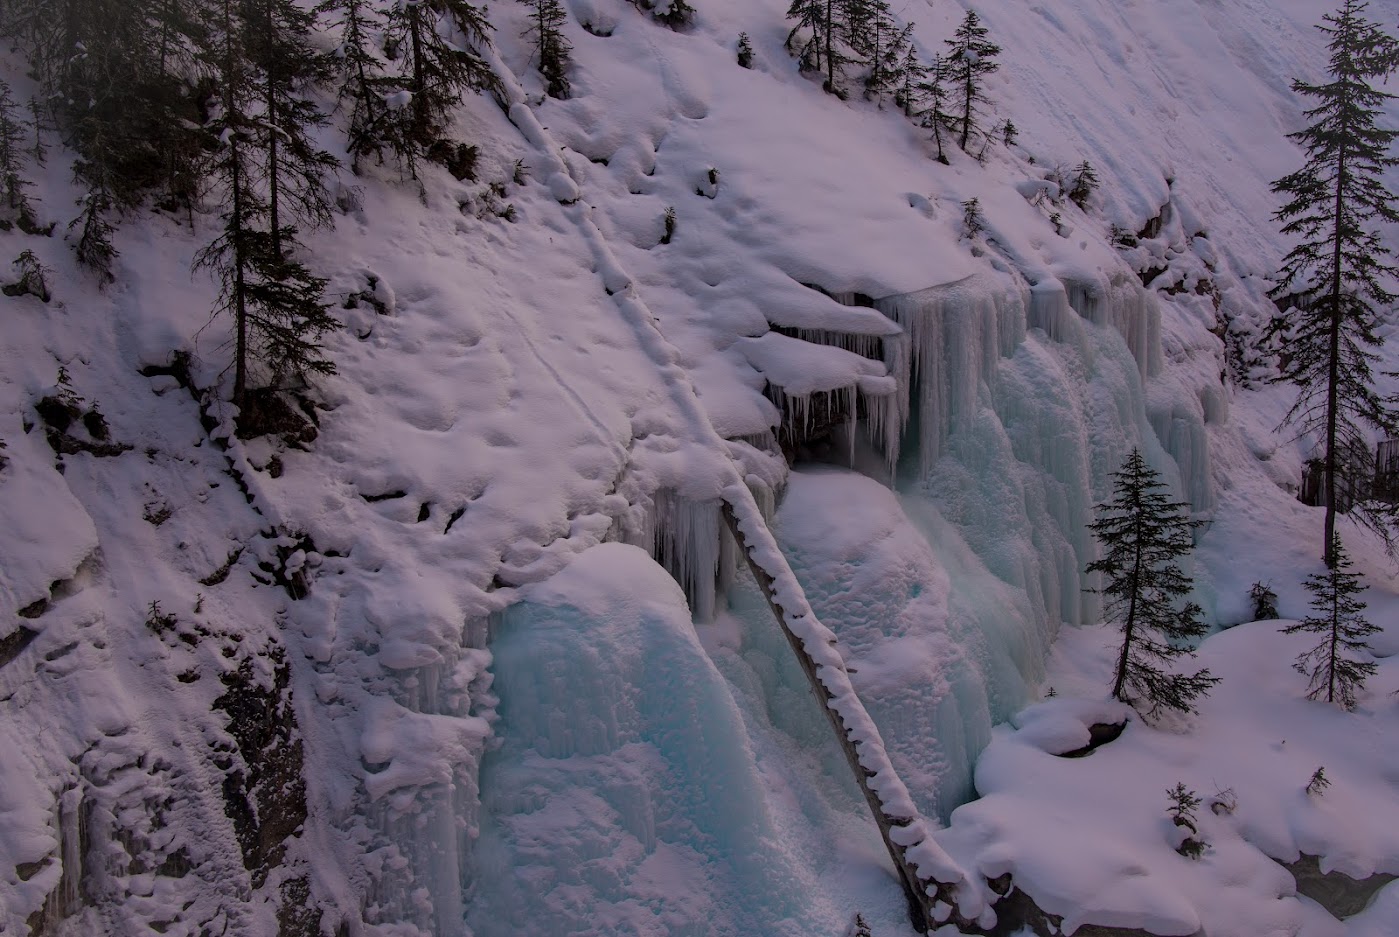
(536, 389)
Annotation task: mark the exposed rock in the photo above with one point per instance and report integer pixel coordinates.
(1337, 892)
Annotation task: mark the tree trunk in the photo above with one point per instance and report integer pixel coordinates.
(968, 92)
(273, 131)
(1333, 366)
(1131, 622)
(420, 114)
(830, 47)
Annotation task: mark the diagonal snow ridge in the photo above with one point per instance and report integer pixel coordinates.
(911, 834)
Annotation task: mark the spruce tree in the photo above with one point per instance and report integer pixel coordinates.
(1084, 185)
(276, 304)
(908, 94)
(1333, 666)
(819, 38)
(111, 84)
(970, 58)
(882, 48)
(1143, 534)
(363, 83)
(432, 42)
(676, 14)
(933, 93)
(276, 37)
(551, 47)
(14, 203)
(1340, 264)
(744, 51)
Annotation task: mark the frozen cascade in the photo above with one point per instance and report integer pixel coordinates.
(1019, 402)
(428, 816)
(624, 786)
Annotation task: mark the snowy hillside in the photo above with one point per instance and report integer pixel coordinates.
(478, 653)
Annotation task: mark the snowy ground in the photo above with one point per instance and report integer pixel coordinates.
(528, 389)
(1090, 840)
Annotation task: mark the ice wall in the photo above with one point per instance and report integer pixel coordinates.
(1017, 401)
(623, 797)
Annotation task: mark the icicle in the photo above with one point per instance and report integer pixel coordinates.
(71, 820)
(686, 542)
(1182, 434)
(1129, 308)
(957, 332)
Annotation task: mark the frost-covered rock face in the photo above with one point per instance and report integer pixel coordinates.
(406, 679)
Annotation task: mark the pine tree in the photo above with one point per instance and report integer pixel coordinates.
(676, 14)
(1084, 185)
(432, 43)
(933, 93)
(882, 48)
(908, 95)
(363, 81)
(276, 38)
(745, 51)
(970, 59)
(111, 85)
(973, 222)
(822, 50)
(276, 303)
(550, 45)
(1340, 263)
(1143, 534)
(14, 203)
(1332, 665)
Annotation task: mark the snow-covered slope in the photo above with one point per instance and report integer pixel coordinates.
(412, 687)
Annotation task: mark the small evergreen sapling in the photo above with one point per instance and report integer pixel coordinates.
(1265, 601)
(745, 51)
(1333, 665)
(669, 222)
(1319, 782)
(859, 927)
(676, 14)
(973, 222)
(1084, 185)
(1184, 803)
(551, 47)
(1009, 133)
(1143, 534)
(33, 280)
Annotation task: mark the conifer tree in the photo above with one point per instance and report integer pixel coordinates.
(908, 94)
(1143, 534)
(276, 38)
(14, 203)
(113, 92)
(1084, 185)
(822, 49)
(882, 47)
(432, 42)
(970, 58)
(276, 303)
(744, 51)
(1332, 666)
(1340, 263)
(933, 93)
(363, 82)
(674, 13)
(551, 47)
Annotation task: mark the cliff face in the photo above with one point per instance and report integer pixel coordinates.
(385, 675)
